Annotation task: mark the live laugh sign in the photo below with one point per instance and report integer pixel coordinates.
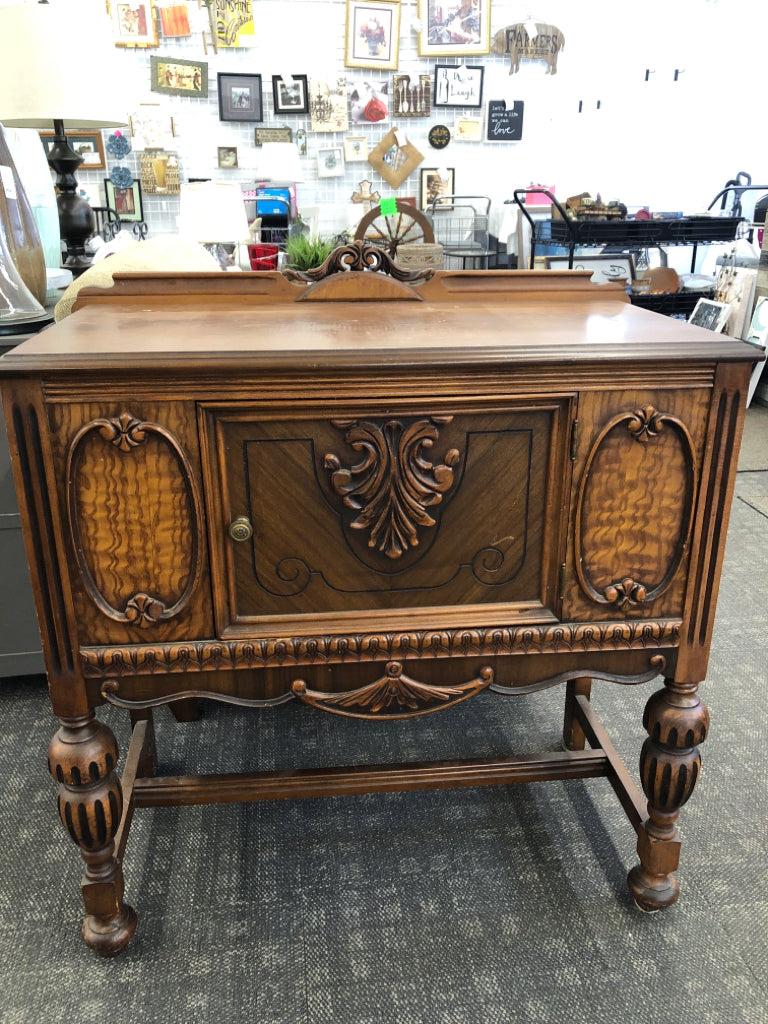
(505, 124)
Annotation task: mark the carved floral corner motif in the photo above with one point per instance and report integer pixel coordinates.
(645, 423)
(124, 431)
(394, 483)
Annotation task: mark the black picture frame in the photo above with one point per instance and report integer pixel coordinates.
(458, 85)
(297, 92)
(240, 97)
(126, 202)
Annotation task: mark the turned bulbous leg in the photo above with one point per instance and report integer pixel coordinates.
(82, 757)
(676, 720)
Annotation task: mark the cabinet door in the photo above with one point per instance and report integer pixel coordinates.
(406, 520)
(636, 484)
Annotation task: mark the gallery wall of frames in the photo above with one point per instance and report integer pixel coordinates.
(596, 105)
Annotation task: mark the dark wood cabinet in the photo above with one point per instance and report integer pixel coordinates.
(376, 497)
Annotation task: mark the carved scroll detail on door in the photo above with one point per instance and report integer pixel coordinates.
(108, 486)
(649, 503)
(394, 484)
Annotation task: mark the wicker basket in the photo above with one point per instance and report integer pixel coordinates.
(420, 256)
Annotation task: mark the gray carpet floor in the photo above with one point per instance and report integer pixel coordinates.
(481, 906)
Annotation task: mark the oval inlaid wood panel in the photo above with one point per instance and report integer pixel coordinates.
(136, 519)
(635, 508)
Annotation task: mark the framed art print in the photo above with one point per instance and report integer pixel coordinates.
(133, 23)
(604, 267)
(126, 202)
(88, 144)
(330, 162)
(240, 97)
(458, 86)
(372, 34)
(178, 77)
(290, 94)
(435, 183)
(355, 149)
(454, 28)
(227, 156)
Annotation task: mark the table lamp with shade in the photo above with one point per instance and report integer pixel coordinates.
(56, 73)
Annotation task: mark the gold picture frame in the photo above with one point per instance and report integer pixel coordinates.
(134, 23)
(393, 161)
(372, 34)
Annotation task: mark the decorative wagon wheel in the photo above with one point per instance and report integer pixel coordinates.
(406, 226)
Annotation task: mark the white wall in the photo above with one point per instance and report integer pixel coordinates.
(668, 145)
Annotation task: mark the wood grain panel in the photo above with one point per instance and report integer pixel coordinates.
(633, 501)
(136, 520)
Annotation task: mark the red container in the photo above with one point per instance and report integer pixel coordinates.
(263, 257)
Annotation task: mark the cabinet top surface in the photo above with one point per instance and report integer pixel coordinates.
(367, 333)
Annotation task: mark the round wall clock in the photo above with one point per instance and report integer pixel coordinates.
(439, 136)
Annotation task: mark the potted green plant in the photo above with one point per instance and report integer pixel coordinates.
(304, 252)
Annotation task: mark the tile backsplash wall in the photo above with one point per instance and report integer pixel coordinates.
(597, 125)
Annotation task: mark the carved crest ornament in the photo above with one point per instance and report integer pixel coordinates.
(394, 484)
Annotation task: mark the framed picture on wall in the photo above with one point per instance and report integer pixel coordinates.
(240, 97)
(133, 23)
(460, 28)
(458, 86)
(355, 148)
(372, 34)
(436, 182)
(88, 144)
(178, 77)
(291, 95)
(227, 156)
(330, 162)
(126, 202)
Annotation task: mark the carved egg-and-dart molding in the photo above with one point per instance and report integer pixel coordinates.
(635, 505)
(106, 485)
(393, 485)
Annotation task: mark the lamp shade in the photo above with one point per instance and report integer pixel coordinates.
(279, 161)
(213, 211)
(56, 65)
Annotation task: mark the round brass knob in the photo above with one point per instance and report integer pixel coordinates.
(240, 529)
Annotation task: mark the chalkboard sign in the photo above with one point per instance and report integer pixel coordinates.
(505, 124)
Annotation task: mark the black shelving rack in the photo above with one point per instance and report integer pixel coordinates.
(568, 233)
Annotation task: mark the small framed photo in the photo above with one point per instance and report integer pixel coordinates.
(88, 144)
(240, 97)
(291, 95)
(605, 267)
(227, 156)
(458, 86)
(436, 182)
(468, 129)
(330, 162)
(355, 149)
(133, 23)
(710, 314)
(372, 34)
(177, 77)
(126, 202)
(454, 28)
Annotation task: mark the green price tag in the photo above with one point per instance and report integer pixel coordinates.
(388, 207)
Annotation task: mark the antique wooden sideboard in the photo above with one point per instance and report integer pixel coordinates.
(378, 495)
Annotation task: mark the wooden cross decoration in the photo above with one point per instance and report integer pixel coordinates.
(365, 196)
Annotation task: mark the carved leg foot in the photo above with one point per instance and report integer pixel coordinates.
(676, 720)
(82, 758)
